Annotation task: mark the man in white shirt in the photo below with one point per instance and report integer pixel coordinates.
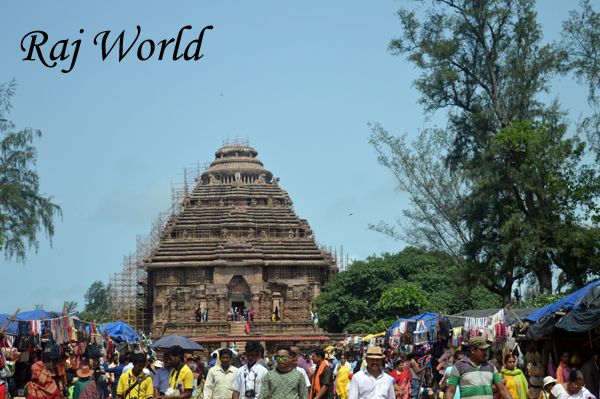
(372, 382)
(220, 378)
(249, 377)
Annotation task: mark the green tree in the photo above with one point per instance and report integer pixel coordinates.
(24, 211)
(97, 302)
(352, 300)
(530, 189)
(581, 42)
(404, 300)
(436, 192)
(484, 64)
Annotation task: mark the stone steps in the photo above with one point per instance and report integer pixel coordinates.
(238, 329)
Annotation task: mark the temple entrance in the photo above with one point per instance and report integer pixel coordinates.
(239, 296)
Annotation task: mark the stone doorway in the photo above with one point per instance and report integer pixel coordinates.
(238, 293)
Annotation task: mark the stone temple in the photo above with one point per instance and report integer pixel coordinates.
(237, 243)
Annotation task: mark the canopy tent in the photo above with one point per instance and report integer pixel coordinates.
(121, 331)
(429, 318)
(13, 327)
(370, 336)
(569, 302)
(583, 307)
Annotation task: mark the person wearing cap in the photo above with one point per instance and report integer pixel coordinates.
(160, 379)
(372, 382)
(549, 383)
(220, 378)
(84, 377)
(134, 383)
(474, 375)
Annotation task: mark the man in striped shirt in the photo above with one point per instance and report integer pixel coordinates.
(474, 375)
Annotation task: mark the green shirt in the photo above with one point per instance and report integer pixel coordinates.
(290, 385)
(474, 382)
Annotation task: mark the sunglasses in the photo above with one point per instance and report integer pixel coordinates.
(281, 358)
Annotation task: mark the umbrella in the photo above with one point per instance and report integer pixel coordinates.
(173, 340)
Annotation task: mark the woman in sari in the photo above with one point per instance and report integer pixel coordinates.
(342, 381)
(516, 383)
(42, 385)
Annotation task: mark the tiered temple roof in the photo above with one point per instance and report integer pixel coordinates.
(236, 223)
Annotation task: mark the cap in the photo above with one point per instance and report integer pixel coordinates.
(548, 380)
(478, 342)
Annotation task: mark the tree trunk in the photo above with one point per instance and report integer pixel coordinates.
(543, 272)
(507, 289)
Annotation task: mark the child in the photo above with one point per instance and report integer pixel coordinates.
(549, 383)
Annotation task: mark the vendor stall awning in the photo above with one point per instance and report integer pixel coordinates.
(429, 319)
(13, 327)
(371, 336)
(569, 302)
(121, 331)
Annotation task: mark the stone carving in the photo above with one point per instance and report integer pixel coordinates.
(212, 179)
(251, 234)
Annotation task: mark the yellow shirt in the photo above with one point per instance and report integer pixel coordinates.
(183, 376)
(143, 390)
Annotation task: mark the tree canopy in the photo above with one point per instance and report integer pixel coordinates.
(24, 211)
(97, 302)
(374, 292)
(502, 186)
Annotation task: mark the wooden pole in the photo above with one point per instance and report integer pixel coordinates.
(10, 319)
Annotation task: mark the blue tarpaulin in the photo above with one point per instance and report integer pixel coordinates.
(27, 315)
(429, 318)
(121, 331)
(569, 302)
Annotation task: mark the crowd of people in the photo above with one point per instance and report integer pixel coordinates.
(290, 373)
(239, 314)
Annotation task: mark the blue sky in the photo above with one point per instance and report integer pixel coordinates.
(300, 80)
